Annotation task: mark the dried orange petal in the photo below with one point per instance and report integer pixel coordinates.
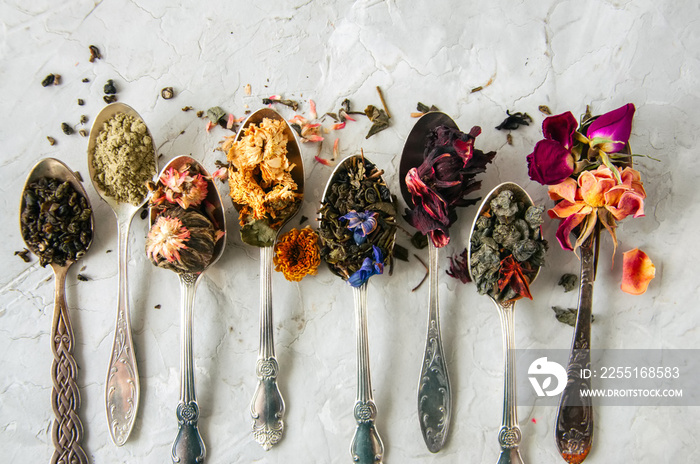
(637, 272)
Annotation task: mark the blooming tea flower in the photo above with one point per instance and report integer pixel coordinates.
(166, 238)
(297, 254)
(369, 268)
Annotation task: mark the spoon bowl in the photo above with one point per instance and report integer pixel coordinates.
(509, 435)
(122, 387)
(65, 394)
(267, 407)
(434, 391)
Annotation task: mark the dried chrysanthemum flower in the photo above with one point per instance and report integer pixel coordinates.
(259, 176)
(181, 240)
(297, 254)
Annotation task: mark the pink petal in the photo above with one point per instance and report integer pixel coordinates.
(312, 111)
(637, 272)
(550, 163)
(630, 204)
(323, 161)
(335, 148)
(231, 120)
(210, 125)
(565, 228)
(340, 125)
(312, 138)
(614, 126)
(221, 174)
(564, 191)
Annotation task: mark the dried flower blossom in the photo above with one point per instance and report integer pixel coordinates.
(165, 239)
(361, 224)
(181, 240)
(297, 254)
(370, 267)
(459, 267)
(596, 196)
(180, 186)
(444, 179)
(259, 173)
(611, 131)
(552, 161)
(637, 272)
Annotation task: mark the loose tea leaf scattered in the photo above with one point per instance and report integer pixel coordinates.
(24, 254)
(94, 53)
(55, 221)
(515, 120)
(52, 141)
(48, 80)
(568, 281)
(66, 128)
(109, 87)
(379, 118)
(82, 278)
(544, 109)
(277, 99)
(81, 102)
(109, 98)
(167, 93)
(567, 315)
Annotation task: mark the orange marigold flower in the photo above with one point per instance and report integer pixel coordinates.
(297, 254)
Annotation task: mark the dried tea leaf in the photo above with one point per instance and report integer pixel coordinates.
(544, 109)
(568, 281)
(258, 233)
(400, 252)
(216, 114)
(515, 120)
(567, 315)
(379, 118)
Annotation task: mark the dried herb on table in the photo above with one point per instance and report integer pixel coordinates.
(24, 254)
(507, 248)
(567, 315)
(82, 278)
(66, 128)
(52, 141)
(379, 118)
(277, 99)
(167, 93)
(56, 221)
(544, 109)
(515, 120)
(109, 99)
(568, 281)
(109, 87)
(94, 53)
(48, 80)
(442, 182)
(358, 222)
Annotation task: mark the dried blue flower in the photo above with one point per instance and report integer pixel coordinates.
(361, 224)
(369, 268)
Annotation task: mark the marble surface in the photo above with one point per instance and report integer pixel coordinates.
(563, 54)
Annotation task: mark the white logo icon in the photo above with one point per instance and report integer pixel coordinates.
(542, 367)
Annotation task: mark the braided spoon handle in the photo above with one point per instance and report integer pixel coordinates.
(67, 432)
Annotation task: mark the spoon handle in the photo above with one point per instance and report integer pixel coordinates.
(367, 447)
(574, 424)
(67, 429)
(122, 386)
(434, 392)
(267, 406)
(188, 447)
(509, 435)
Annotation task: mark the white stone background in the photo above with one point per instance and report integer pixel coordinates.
(564, 54)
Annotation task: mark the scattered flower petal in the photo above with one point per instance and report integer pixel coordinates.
(637, 272)
(312, 109)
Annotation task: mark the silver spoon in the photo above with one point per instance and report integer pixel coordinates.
(267, 406)
(509, 435)
(434, 392)
(67, 430)
(122, 388)
(188, 447)
(367, 446)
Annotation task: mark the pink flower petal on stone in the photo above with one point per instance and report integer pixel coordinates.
(312, 109)
(637, 272)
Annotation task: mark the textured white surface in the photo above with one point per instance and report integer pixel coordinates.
(564, 54)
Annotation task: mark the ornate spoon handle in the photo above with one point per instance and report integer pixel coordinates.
(188, 447)
(367, 447)
(574, 424)
(434, 393)
(267, 406)
(67, 429)
(122, 386)
(509, 436)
